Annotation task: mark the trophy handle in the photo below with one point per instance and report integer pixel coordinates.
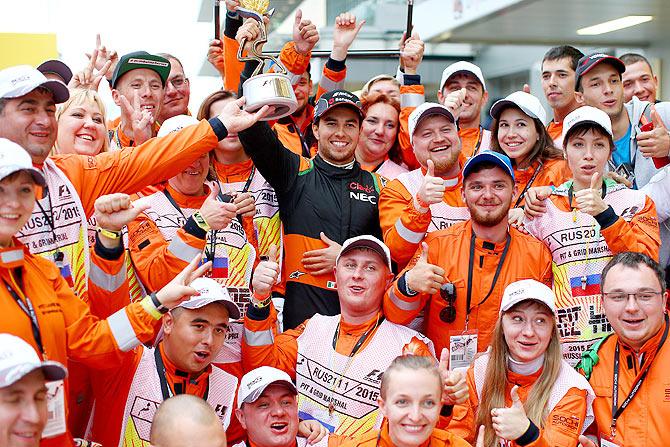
(256, 54)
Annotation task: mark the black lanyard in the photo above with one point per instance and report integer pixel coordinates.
(29, 310)
(617, 411)
(480, 133)
(362, 338)
(165, 388)
(603, 193)
(528, 185)
(495, 276)
(58, 255)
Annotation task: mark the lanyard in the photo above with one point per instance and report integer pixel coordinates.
(528, 185)
(617, 411)
(362, 338)
(29, 310)
(495, 276)
(480, 133)
(165, 387)
(603, 193)
(58, 255)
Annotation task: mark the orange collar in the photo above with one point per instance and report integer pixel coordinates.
(237, 172)
(184, 201)
(182, 382)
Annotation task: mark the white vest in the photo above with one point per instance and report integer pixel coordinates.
(324, 376)
(442, 215)
(70, 227)
(579, 250)
(567, 378)
(390, 169)
(300, 442)
(145, 397)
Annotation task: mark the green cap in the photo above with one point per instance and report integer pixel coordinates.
(141, 59)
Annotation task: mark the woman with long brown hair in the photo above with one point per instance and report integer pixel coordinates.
(521, 390)
(519, 132)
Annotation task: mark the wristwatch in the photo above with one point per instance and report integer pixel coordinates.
(159, 307)
(200, 221)
(111, 234)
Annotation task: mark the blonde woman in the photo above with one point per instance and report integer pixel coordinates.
(411, 400)
(522, 391)
(82, 127)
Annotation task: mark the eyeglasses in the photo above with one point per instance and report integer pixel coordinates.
(644, 296)
(178, 82)
(448, 294)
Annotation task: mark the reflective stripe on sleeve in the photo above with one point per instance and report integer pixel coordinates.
(182, 250)
(411, 99)
(329, 85)
(410, 236)
(402, 304)
(122, 330)
(260, 338)
(107, 281)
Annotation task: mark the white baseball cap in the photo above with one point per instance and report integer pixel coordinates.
(14, 158)
(528, 104)
(175, 124)
(210, 292)
(20, 80)
(461, 66)
(527, 289)
(366, 241)
(425, 110)
(18, 358)
(256, 381)
(586, 114)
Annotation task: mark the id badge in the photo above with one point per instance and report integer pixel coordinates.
(462, 348)
(55, 409)
(607, 441)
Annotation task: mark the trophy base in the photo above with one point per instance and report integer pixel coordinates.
(271, 89)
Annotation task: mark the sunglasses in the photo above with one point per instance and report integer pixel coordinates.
(448, 294)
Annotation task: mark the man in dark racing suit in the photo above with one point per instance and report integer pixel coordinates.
(322, 201)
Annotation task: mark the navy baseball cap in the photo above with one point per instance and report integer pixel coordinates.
(500, 160)
(56, 67)
(589, 61)
(337, 98)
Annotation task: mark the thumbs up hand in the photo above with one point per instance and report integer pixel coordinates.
(454, 387)
(454, 101)
(510, 423)
(589, 200)
(266, 274)
(424, 277)
(656, 142)
(217, 214)
(431, 191)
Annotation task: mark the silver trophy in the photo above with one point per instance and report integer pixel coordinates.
(272, 89)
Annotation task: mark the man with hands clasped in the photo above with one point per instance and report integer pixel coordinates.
(463, 292)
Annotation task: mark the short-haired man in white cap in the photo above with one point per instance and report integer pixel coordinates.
(468, 76)
(129, 393)
(426, 199)
(267, 408)
(23, 392)
(349, 351)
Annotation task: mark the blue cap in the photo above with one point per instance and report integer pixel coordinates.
(500, 160)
